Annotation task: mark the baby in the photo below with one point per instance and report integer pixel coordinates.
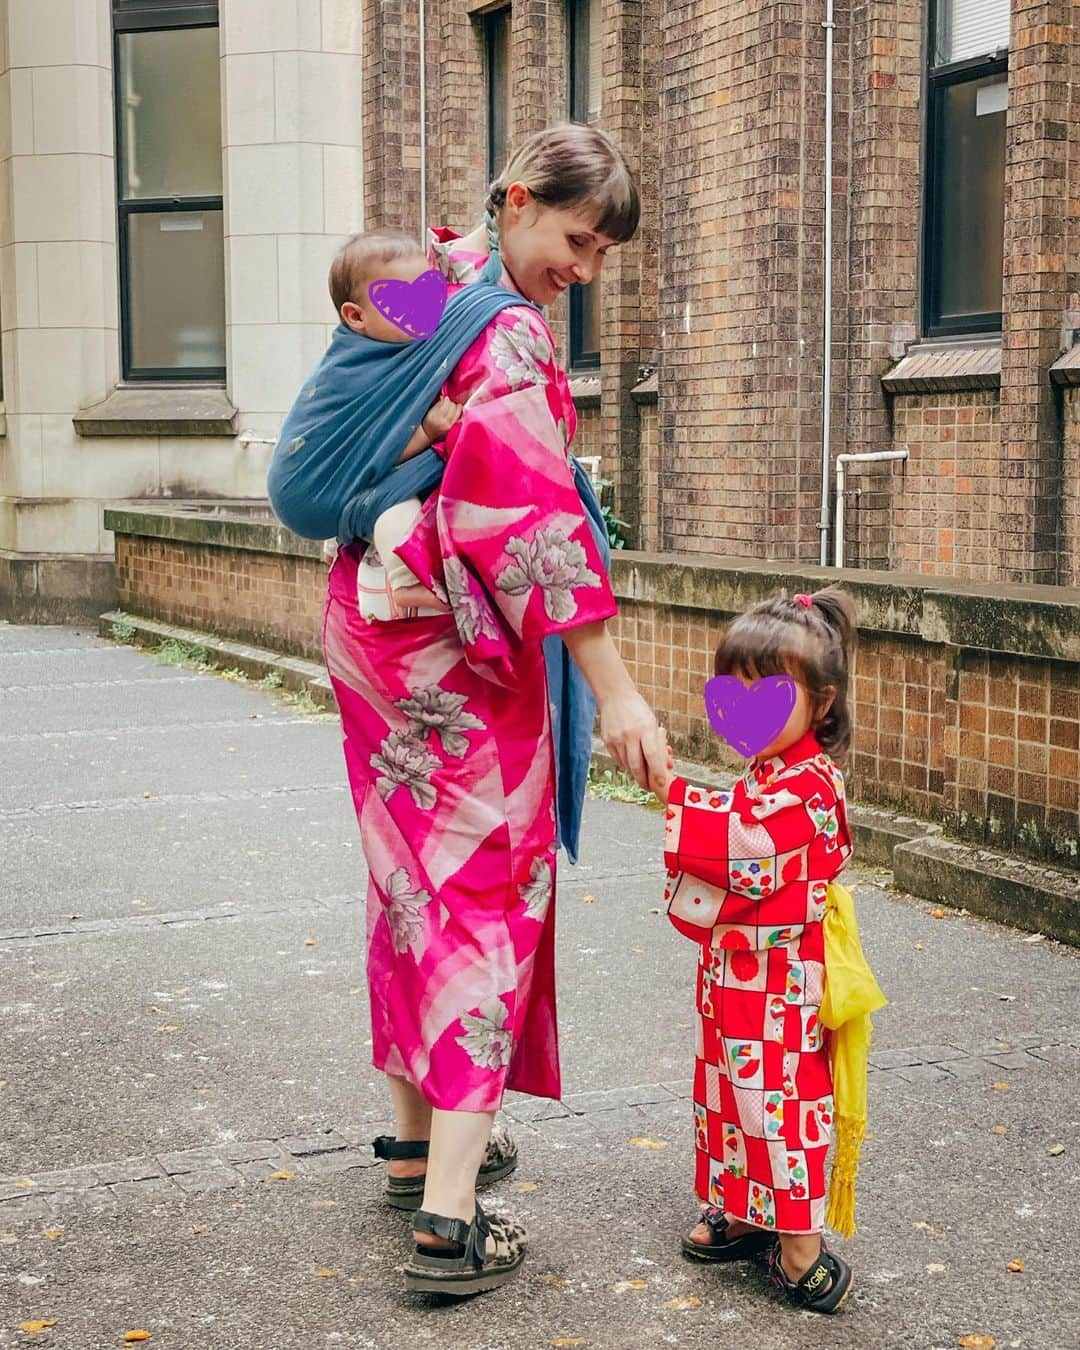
(363, 259)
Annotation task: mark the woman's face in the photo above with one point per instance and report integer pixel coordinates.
(548, 248)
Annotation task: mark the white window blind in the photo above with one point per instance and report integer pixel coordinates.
(596, 61)
(970, 28)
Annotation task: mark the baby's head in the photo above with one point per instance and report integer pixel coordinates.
(812, 639)
(372, 257)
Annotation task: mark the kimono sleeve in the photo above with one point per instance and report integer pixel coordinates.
(518, 556)
(748, 847)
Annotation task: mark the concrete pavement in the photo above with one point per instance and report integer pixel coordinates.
(186, 1085)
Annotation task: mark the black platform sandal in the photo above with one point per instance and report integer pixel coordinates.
(721, 1248)
(822, 1289)
(406, 1193)
(466, 1268)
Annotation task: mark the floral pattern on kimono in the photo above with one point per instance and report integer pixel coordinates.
(747, 875)
(448, 735)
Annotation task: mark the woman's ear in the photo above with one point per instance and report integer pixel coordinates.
(518, 197)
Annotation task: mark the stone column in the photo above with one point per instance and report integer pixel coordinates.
(292, 119)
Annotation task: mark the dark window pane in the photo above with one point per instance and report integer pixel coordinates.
(170, 110)
(498, 74)
(175, 265)
(590, 316)
(969, 198)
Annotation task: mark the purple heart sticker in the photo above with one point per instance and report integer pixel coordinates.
(413, 306)
(749, 717)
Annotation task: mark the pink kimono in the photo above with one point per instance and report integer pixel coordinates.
(447, 730)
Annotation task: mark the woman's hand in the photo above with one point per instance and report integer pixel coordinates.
(635, 742)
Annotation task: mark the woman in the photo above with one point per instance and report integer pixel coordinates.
(448, 727)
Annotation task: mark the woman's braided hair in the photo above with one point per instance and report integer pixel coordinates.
(572, 165)
(811, 638)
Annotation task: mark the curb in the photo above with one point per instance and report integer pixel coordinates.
(924, 864)
(297, 675)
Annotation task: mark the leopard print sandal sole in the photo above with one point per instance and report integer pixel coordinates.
(468, 1269)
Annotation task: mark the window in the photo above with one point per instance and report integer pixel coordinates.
(497, 44)
(965, 167)
(169, 190)
(586, 68)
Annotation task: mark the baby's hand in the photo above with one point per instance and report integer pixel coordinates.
(440, 417)
(660, 780)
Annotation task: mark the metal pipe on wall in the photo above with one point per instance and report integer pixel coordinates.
(870, 457)
(423, 133)
(826, 377)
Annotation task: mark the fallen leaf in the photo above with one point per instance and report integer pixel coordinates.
(522, 1187)
(254, 852)
(553, 1280)
(999, 1129)
(639, 1141)
(53, 1234)
(640, 950)
(168, 1027)
(621, 1286)
(977, 1342)
(283, 1175)
(146, 794)
(1001, 1087)
(568, 1340)
(197, 1228)
(309, 942)
(1015, 1267)
(681, 1304)
(589, 899)
(918, 946)
(935, 1268)
(32, 1328)
(324, 1204)
(25, 1183)
(357, 990)
(1004, 1045)
(937, 913)
(130, 1337)
(1055, 1150)
(325, 1273)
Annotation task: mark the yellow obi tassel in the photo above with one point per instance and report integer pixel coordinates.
(851, 995)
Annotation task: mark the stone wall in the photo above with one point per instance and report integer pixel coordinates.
(966, 695)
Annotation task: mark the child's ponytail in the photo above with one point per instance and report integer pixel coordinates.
(836, 612)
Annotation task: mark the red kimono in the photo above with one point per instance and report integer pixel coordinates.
(748, 870)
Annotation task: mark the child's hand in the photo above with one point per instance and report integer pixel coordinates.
(440, 417)
(660, 780)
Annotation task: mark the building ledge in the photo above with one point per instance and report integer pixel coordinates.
(936, 367)
(585, 391)
(174, 410)
(1066, 369)
(646, 390)
(248, 525)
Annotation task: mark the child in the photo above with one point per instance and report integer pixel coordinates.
(363, 259)
(748, 873)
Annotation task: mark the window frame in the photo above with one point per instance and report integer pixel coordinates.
(491, 19)
(939, 79)
(577, 35)
(147, 16)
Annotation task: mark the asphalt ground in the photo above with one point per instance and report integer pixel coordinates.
(186, 1097)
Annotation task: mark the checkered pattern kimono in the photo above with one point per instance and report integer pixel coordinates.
(747, 875)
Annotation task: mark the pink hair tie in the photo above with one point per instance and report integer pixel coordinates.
(805, 600)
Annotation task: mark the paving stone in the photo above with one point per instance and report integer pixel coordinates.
(190, 1160)
(922, 1073)
(24, 1207)
(895, 1059)
(212, 1180)
(935, 1054)
(72, 1178)
(528, 1109)
(11, 1190)
(1058, 1054)
(97, 1200)
(331, 1164)
(969, 1068)
(1014, 1059)
(130, 1169)
(260, 1169)
(140, 1192)
(249, 1151)
(304, 1146)
(681, 1087)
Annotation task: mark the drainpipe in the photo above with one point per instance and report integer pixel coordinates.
(826, 378)
(423, 134)
(870, 457)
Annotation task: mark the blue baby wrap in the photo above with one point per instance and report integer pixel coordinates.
(334, 471)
